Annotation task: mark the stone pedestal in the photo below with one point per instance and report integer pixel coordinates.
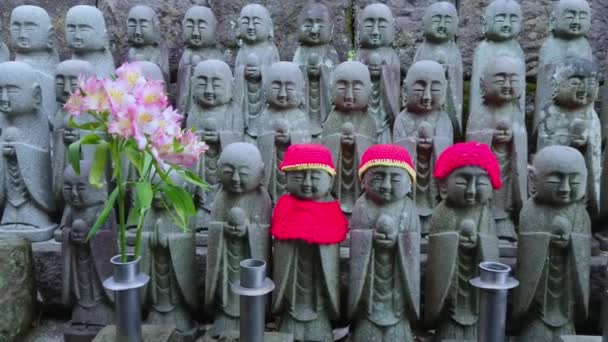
(80, 333)
(150, 333)
(580, 338)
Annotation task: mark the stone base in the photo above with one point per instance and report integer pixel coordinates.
(150, 333)
(27, 232)
(268, 337)
(580, 338)
(77, 334)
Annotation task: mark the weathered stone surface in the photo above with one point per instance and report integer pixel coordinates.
(150, 333)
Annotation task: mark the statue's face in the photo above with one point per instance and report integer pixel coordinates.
(576, 91)
(141, 26)
(377, 28)
(315, 28)
(560, 188)
(440, 24)
(350, 92)
(313, 66)
(255, 25)
(85, 31)
(424, 140)
(572, 19)
(253, 70)
(503, 21)
(238, 176)
(78, 192)
(374, 65)
(281, 134)
(503, 84)
(29, 30)
(386, 184)
(309, 184)
(210, 133)
(426, 94)
(468, 186)
(16, 94)
(347, 136)
(503, 133)
(284, 92)
(200, 28)
(66, 82)
(211, 87)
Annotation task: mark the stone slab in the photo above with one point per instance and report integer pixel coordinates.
(150, 333)
(579, 338)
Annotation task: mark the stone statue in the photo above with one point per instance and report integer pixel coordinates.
(256, 32)
(575, 88)
(87, 37)
(376, 32)
(554, 254)
(26, 185)
(211, 89)
(316, 30)
(33, 41)
(168, 256)
(250, 94)
(570, 22)
(385, 249)
(284, 88)
(145, 40)
(307, 226)
(199, 35)
(500, 26)
(462, 235)
(500, 124)
(152, 72)
(4, 53)
(273, 147)
(317, 92)
(440, 25)
(240, 218)
(425, 130)
(86, 263)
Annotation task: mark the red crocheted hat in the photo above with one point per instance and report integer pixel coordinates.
(468, 154)
(308, 157)
(387, 155)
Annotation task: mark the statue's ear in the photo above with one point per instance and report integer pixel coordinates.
(37, 94)
(50, 44)
(484, 25)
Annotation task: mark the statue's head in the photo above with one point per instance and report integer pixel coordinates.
(20, 92)
(240, 168)
(425, 86)
(199, 27)
(467, 174)
(151, 71)
(313, 65)
(575, 83)
(347, 134)
(78, 192)
(424, 138)
(253, 67)
(255, 24)
(212, 83)
(352, 85)
(143, 26)
(315, 24)
(85, 29)
(309, 170)
(560, 175)
(440, 22)
(284, 85)
(210, 132)
(571, 19)
(503, 132)
(31, 29)
(376, 26)
(387, 173)
(374, 65)
(502, 80)
(502, 20)
(281, 132)
(66, 77)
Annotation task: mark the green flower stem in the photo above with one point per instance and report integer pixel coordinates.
(121, 199)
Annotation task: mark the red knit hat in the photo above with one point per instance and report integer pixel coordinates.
(468, 154)
(387, 155)
(308, 157)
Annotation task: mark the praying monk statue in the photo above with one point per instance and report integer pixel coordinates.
(200, 37)
(378, 107)
(273, 147)
(256, 31)
(462, 235)
(316, 30)
(385, 249)
(33, 42)
(26, 191)
(425, 130)
(240, 218)
(500, 125)
(87, 37)
(554, 254)
(317, 92)
(500, 26)
(250, 95)
(4, 52)
(440, 25)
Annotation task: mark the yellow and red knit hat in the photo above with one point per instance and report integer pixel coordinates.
(308, 157)
(468, 154)
(387, 155)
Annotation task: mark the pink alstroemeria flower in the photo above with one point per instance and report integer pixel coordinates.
(131, 74)
(152, 95)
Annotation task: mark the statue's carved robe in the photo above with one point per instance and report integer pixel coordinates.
(251, 97)
(186, 65)
(224, 253)
(44, 65)
(4, 53)
(102, 62)
(155, 53)
(363, 122)
(451, 302)
(554, 130)
(296, 119)
(327, 53)
(272, 155)
(554, 282)
(385, 283)
(405, 133)
(318, 100)
(229, 119)
(513, 160)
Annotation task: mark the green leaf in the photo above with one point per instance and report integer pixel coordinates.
(193, 178)
(135, 157)
(182, 202)
(100, 162)
(103, 216)
(144, 195)
(74, 149)
(89, 126)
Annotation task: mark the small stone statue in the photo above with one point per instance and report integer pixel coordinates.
(462, 235)
(500, 125)
(317, 92)
(250, 94)
(26, 185)
(87, 37)
(33, 41)
(440, 25)
(240, 218)
(152, 72)
(554, 254)
(145, 40)
(256, 32)
(500, 26)
(425, 130)
(273, 147)
(307, 226)
(316, 30)
(575, 88)
(570, 22)
(4, 53)
(385, 248)
(376, 36)
(86, 263)
(199, 36)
